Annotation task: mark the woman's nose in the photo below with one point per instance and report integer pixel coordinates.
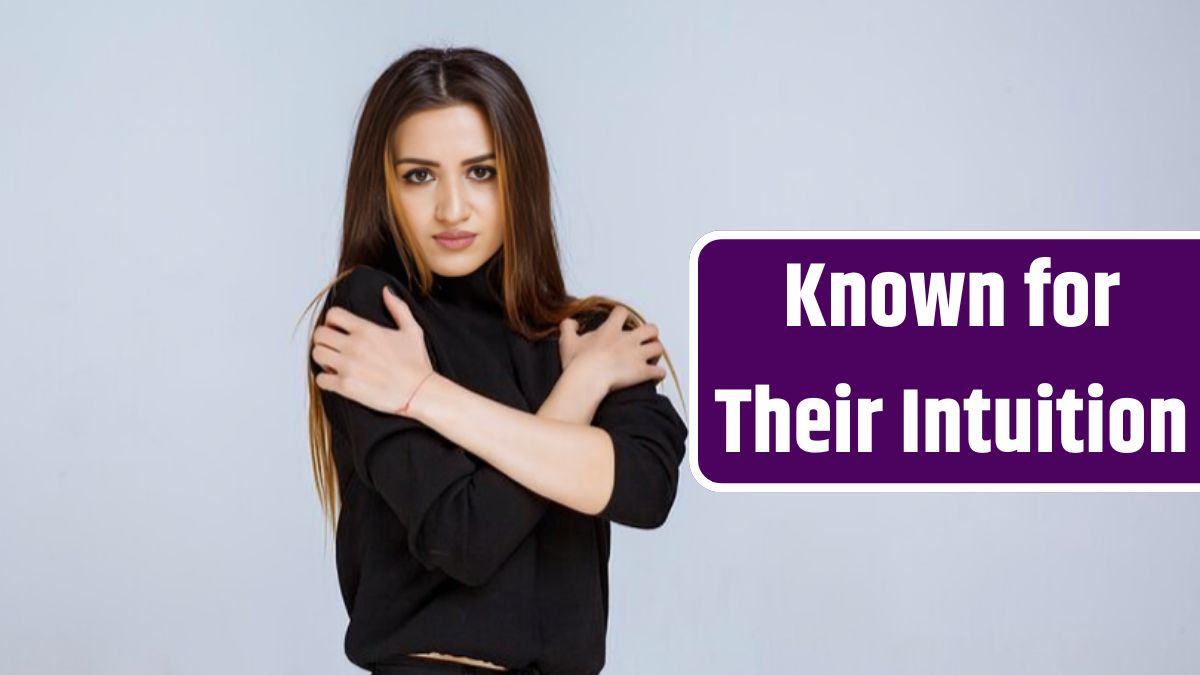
(451, 206)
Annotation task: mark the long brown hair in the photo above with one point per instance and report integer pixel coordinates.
(374, 234)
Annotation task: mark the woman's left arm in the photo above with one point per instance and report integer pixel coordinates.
(567, 462)
(624, 469)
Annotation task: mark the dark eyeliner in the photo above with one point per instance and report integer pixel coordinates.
(408, 176)
(491, 171)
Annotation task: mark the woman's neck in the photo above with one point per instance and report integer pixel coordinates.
(480, 290)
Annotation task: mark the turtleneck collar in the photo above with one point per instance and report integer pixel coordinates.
(480, 290)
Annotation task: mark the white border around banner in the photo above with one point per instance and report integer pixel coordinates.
(693, 360)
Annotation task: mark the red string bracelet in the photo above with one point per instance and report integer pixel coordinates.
(403, 410)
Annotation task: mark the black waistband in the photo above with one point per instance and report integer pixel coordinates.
(416, 665)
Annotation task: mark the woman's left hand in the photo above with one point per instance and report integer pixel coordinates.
(376, 366)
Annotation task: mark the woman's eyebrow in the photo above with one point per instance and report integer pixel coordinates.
(430, 162)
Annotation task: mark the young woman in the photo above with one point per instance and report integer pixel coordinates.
(474, 429)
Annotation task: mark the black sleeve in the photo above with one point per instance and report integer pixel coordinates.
(462, 515)
(649, 441)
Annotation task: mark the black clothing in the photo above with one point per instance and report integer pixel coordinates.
(415, 665)
(438, 551)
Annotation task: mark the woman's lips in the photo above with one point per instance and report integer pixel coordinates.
(455, 241)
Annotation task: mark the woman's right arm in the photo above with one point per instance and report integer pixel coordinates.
(575, 397)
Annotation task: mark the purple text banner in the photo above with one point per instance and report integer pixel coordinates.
(945, 361)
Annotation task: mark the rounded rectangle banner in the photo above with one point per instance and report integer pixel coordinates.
(938, 361)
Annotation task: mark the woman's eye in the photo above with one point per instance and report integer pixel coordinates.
(410, 175)
(484, 172)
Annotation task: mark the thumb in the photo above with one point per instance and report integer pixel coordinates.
(398, 309)
(569, 328)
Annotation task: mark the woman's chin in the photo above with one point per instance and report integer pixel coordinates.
(457, 263)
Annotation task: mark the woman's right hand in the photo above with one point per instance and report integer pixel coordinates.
(620, 357)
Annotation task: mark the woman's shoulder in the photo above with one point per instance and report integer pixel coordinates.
(360, 291)
(363, 287)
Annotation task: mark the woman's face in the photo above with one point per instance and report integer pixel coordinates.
(447, 186)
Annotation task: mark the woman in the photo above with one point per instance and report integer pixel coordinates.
(472, 441)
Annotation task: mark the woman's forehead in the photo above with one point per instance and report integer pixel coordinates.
(453, 133)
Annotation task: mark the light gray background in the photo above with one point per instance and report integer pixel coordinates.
(171, 199)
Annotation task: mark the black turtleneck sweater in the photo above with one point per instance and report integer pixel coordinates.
(438, 551)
